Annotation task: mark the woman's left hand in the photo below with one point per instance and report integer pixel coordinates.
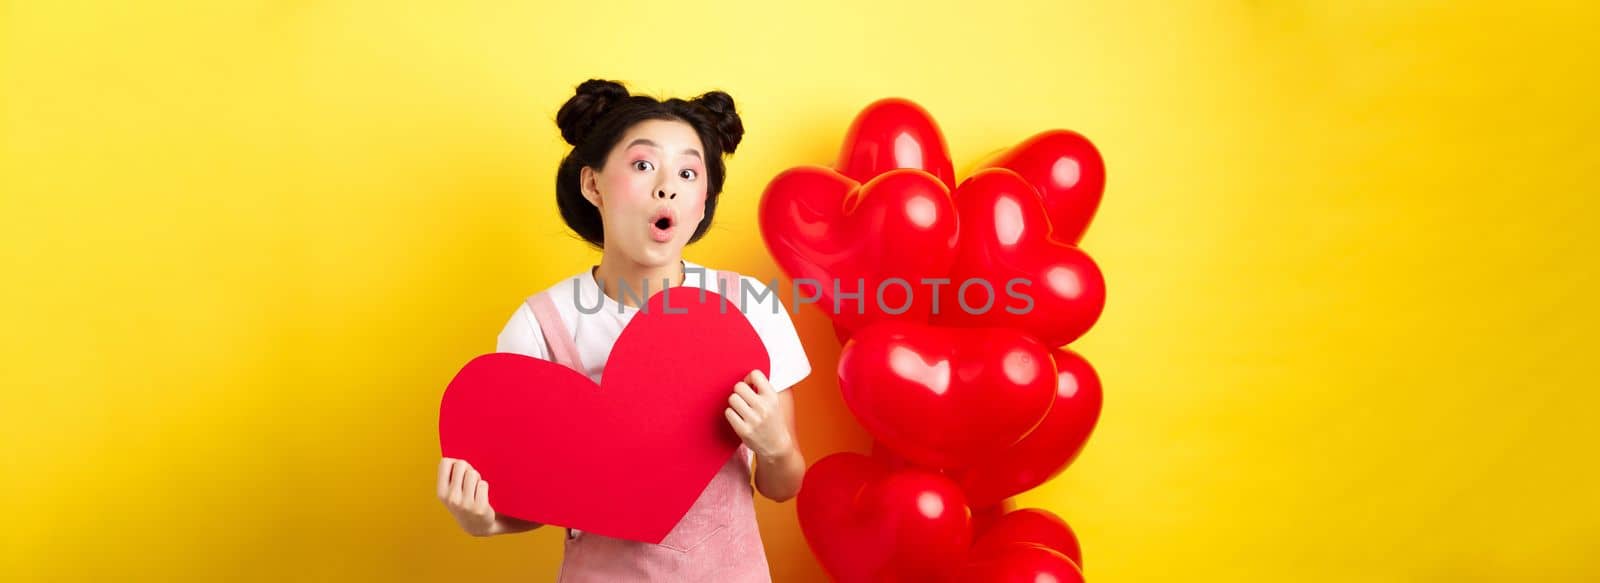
(754, 413)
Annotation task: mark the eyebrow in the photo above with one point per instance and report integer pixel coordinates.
(645, 142)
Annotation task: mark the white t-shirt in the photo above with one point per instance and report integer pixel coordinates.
(595, 333)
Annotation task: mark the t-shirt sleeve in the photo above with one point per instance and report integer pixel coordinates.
(770, 318)
(522, 335)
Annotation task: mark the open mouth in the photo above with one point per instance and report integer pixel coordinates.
(661, 225)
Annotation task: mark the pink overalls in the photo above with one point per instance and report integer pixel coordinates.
(716, 541)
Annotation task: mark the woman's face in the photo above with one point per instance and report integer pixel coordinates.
(652, 193)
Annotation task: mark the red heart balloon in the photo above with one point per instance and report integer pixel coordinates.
(1023, 563)
(548, 439)
(830, 234)
(1069, 174)
(1035, 283)
(894, 133)
(944, 397)
(893, 461)
(1050, 447)
(867, 523)
(840, 333)
(985, 517)
(1028, 526)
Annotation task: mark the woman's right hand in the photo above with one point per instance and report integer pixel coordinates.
(466, 495)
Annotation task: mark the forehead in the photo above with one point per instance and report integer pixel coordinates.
(671, 136)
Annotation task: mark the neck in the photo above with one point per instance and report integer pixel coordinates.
(616, 274)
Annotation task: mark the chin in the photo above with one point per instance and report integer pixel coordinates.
(655, 255)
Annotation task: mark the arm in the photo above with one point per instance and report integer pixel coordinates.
(764, 420)
(778, 476)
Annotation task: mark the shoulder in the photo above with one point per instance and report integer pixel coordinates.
(563, 288)
(522, 333)
(762, 300)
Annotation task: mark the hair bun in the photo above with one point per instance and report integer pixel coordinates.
(578, 115)
(729, 128)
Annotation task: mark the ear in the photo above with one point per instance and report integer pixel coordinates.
(589, 183)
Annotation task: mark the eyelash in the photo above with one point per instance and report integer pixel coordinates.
(637, 163)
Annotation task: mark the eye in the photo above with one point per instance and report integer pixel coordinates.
(687, 174)
(643, 166)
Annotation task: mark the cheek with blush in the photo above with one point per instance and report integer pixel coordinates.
(626, 191)
(695, 212)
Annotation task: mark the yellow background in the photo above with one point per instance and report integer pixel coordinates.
(245, 245)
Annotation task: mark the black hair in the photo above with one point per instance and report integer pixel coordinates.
(594, 120)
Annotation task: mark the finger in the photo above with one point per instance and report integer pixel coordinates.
(480, 499)
(750, 396)
(456, 476)
(469, 487)
(763, 386)
(739, 426)
(744, 410)
(445, 465)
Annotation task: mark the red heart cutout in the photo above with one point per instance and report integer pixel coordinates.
(868, 523)
(945, 397)
(1050, 447)
(1069, 174)
(1036, 283)
(627, 458)
(894, 133)
(824, 227)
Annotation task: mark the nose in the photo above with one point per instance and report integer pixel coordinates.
(662, 194)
